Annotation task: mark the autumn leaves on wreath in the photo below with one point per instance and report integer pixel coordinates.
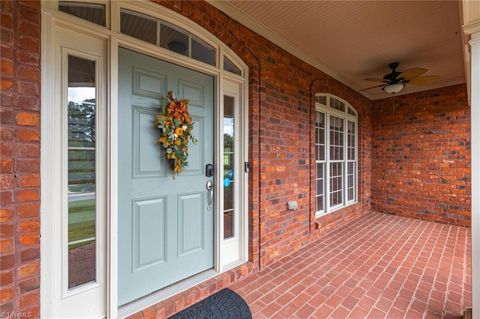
(175, 124)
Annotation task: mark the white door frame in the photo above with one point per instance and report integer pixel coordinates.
(51, 17)
(475, 174)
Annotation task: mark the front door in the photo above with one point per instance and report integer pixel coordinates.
(165, 225)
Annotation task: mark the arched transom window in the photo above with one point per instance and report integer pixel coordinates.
(336, 149)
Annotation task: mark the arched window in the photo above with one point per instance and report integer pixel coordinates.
(336, 151)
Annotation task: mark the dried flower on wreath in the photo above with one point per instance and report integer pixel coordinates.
(175, 125)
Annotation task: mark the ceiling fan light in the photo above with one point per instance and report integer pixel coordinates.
(394, 88)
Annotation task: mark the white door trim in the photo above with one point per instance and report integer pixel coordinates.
(52, 17)
(55, 296)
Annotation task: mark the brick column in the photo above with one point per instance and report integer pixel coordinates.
(20, 159)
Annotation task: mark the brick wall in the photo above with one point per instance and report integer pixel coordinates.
(282, 118)
(281, 115)
(421, 155)
(281, 136)
(20, 157)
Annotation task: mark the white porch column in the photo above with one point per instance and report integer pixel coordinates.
(475, 142)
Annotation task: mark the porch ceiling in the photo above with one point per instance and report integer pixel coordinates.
(353, 40)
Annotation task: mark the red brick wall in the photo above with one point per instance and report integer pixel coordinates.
(281, 136)
(421, 155)
(281, 114)
(20, 157)
(281, 118)
(281, 149)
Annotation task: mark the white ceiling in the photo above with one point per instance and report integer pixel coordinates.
(353, 40)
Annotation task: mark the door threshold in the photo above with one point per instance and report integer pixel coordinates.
(165, 293)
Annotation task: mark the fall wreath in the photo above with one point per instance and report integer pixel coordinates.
(175, 124)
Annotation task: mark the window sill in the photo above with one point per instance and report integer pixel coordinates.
(335, 210)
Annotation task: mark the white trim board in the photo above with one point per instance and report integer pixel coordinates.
(475, 174)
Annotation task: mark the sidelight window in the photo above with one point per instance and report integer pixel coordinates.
(336, 154)
(229, 167)
(81, 110)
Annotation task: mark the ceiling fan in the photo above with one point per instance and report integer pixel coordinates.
(395, 81)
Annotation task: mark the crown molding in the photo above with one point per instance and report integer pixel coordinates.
(472, 27)
(256, 26)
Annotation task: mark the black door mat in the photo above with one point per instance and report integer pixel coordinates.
(225, 304)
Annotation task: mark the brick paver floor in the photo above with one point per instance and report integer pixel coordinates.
(378, 266)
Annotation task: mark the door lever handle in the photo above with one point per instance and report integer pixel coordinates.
(210, 188)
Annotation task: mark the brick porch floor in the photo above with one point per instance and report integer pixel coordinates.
(379, 266)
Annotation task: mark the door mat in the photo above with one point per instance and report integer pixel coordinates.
(225, 304)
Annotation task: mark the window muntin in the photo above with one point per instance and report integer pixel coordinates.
(82, 212)
(336, 133)
(336, 184)
(351, 160)
(336, 154)
(320, 161)
(92, 12)
(150, 29)
(337, 104)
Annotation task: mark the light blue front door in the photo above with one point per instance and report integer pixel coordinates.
(165, 225)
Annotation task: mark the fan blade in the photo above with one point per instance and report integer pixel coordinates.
(375, 80)
(373, 87)
(412, 73)
(426, 79)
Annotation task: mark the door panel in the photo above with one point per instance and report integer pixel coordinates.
(146, 155)
(165, 224)
(149, 226)
(190, 224)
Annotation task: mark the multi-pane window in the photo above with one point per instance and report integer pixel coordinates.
(152, 30)
(336, 133)
(320, 160)
(351, 160)
(166, 35)
(336, 154)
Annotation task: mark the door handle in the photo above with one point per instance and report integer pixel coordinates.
(210, 188)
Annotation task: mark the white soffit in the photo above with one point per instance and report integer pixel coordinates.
(353, 40)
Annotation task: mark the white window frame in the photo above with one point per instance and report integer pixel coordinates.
(225, 81)
(323, 162)
(328, 111)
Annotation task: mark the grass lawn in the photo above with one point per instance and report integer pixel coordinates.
(81, 220)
